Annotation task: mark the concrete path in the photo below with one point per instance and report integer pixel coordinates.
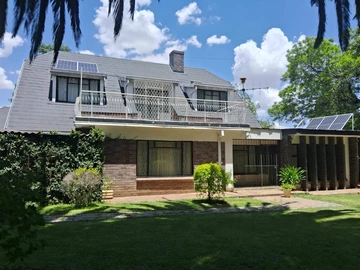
(239, 192)
(278, 203)
(294, 203)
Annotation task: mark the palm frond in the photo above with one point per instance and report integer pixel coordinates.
(58, 7)
(322, 21)
(19, 12)
(3, 12)
(30, 9)
(118, 15)
(38, 27)
(343, 19)
(73, 10)
(132, 9)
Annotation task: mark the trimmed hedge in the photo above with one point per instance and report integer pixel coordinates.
(44, 159)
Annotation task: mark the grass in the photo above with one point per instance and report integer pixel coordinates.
(66, 209)
(347, 200)
(303, 239)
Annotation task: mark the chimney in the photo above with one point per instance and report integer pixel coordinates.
(176, 61)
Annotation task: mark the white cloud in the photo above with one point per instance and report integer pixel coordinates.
(8, 44)
(215, 40)
(141, 39)
(194, 41)
(188, 14)
(87, 52)
(5, 83)
(263, 67)
(163, 57)
(141, 36)
(17, 72)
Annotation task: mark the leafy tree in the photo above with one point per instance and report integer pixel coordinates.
(32, 14)
(343, 19)
(44, 48)
(322, 81)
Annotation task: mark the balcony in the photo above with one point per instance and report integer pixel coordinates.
(116, 107)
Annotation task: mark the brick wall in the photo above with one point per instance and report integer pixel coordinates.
(120, 164)
(205, 152)
(285, 151)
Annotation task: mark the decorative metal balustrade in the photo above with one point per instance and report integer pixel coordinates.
(159, 106)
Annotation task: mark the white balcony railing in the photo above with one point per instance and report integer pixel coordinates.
(114, 105)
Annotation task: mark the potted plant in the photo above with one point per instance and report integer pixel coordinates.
(231, 183)
(290, 176)
(107, 192)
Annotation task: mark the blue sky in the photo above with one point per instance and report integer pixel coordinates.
(237, 49)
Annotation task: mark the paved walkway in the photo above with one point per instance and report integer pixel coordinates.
(239, 192)
(278, 203)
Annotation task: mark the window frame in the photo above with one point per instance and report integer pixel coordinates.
(151, 144)
(78, 84)
(204, 102)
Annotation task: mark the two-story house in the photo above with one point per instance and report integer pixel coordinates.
(161, 121)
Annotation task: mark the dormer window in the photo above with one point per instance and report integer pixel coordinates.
(211, 100)
(68, 88)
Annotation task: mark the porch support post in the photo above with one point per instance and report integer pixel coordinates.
(219, 150)
(312, 163)
(340, 161)
(354, 162)
(229, 168)
(322, 170)
(331, 162)
(302, 160)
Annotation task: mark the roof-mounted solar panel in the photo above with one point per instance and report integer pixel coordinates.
(333, 122)
(77, 66)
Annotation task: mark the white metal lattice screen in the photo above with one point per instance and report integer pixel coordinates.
(152, 100)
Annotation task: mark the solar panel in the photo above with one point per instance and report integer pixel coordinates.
(334, 122)
(326, 123)
(88, 67)
(77, 66)
(314, 123)
(66, 65)
(340, 121)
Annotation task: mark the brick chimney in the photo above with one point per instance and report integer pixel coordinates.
(176, 61)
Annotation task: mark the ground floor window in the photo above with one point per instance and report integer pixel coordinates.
(164, 158)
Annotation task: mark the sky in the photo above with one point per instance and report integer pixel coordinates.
(230, 38)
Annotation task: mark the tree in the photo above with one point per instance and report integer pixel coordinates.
(343, 19)
(321, 81)
(32, 15)
(44, 48)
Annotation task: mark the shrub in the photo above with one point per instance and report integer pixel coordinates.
(290, 176)
(81, 185)
(210, 180)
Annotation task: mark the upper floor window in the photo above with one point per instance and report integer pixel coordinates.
(211, 100)
(68, 89)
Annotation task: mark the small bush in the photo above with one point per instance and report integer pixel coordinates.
(210, 180)
(81, 185)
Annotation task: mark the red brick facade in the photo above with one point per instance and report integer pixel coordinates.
(120, 167)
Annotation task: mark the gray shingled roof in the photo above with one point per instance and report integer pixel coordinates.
(3, 115)
(32, 109)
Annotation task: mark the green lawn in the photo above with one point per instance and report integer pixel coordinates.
(198, 204)
(307, 239)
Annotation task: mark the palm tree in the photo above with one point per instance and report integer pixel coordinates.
(343, 20)
(32, 14)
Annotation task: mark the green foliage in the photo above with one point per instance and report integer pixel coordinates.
(289, 176)
(210, 180)
(44, 48)
(321, 81)
(107, 185)
(31, 169)
(46, 158)
(80, 186)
